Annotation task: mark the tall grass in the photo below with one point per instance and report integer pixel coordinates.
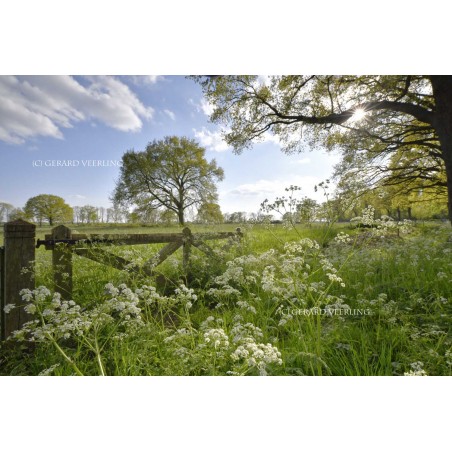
(278, 304)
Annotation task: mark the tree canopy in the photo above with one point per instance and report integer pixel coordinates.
(49, 208)
(172, 173)
(210, 212)
(5, 211)
(369, 119)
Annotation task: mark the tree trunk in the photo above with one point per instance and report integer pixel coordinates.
(442, 92)
(409, 213)
(399, 214)
(180, 216)
(449, 188)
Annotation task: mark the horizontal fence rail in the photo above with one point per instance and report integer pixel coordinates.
(131, 239)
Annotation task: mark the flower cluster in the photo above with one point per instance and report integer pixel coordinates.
(236, 350)
(416, 370)
(342, 238)
(382, 225)
(217, 338)
(298, 274)
(186, 296)
(56, 318)
(257, 355)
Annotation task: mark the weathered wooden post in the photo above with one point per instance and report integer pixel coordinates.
(2, 285)
(62, 262)
(17, 271)
(187, 242)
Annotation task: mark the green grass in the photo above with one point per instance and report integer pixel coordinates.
(404, 284)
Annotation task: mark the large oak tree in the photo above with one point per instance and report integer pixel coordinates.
(374, 115)
(50, 208)
(172, 173)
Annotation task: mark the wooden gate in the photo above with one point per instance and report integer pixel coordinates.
(18, 253)
(64, 243)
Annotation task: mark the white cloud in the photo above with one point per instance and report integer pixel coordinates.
(248, 197)
(262, 187)
(206, 107)
(270, 138)
(43, 105)
(266, 188)
(303, 161)
(170, 114)
(78, 196)
(141, 80)
(213, 141)
(263, 80)
(151, 79)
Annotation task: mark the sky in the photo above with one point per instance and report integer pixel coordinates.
(65, 135)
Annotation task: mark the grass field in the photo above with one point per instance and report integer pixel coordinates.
(285, 301)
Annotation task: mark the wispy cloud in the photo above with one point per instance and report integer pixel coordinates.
(34, 106)
(170, 114)
(263, 80)
(264, 188)
(270, 138)
(78, 196)
(206, 107)
(213, 141)
(203, 106)
(152, 78)
(141, 80)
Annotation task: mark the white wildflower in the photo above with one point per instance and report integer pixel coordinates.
(216, 337)
(48, 371)
(416, 370)
(9, 307)
(246, 306)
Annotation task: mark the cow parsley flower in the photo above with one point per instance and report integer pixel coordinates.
(217, 338)
(416, 370)
(9, 307)
(257, 355)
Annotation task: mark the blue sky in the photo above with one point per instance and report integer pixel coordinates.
(81, 119)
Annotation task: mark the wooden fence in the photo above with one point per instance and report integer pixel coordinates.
(17, 258)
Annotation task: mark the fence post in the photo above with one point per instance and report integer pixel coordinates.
(2, 290)
(62, 262)
(186, 247)
(17, 272)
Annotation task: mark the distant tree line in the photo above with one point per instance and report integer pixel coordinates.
(48, 209)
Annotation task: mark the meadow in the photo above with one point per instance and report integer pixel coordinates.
(286, 300)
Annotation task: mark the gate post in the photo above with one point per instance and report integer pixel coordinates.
(187, 240)
(62, 262)
(17, 272)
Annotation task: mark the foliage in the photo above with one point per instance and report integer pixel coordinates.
(171, 173)
(50, 208)
(5, 211)
(86, 214)
(395, 128)
(210, 212)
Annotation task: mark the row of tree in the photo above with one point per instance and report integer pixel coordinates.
(52, 209)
